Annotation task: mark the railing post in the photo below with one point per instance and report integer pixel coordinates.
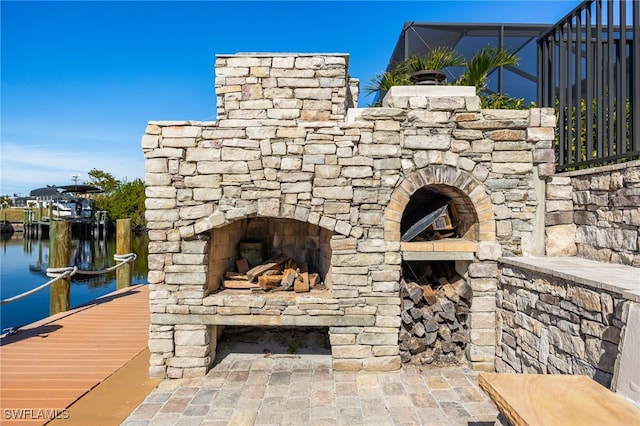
(59, 255)
(123, 246)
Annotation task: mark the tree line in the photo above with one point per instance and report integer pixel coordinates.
(121, 199)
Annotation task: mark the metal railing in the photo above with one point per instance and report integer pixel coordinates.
(589, 71)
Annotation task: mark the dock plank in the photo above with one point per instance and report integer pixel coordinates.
(50, 364)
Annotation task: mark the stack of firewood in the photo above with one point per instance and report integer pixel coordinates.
(435, 308)
(276, 274)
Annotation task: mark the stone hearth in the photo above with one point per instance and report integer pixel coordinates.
(293, 161)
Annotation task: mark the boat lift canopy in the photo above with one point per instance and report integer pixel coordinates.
(53, 190)
(81, 189)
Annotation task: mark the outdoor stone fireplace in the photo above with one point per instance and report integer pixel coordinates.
(293, 163)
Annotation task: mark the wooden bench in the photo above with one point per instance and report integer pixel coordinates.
(554, 399)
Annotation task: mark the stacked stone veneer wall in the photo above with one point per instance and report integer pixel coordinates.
(555, 325)
(290, 144)
(595, 214)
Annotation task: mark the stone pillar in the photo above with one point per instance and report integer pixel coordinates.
(192, 352)
(161, 348)
(366, 275)
(560, 228)
(481, 350)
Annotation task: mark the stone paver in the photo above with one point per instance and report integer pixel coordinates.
(282, 389)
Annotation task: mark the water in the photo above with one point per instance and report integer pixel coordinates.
(23, 263)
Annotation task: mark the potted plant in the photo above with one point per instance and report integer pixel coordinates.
(428, 70)
(482, 63)
(416, 70)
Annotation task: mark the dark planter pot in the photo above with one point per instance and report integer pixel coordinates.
(428, 78)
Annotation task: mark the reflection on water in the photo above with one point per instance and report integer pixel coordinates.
(23, 264)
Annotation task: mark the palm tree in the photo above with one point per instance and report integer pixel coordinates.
(381, 83)
(476, 73)
(482, 63)
(385, 81)
(428, 70)
(436, 60)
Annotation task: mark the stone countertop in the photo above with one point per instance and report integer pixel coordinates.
(556, 399)
(613, 277)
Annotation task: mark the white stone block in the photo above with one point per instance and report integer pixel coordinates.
(181, 131)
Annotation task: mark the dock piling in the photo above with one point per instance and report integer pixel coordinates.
(60, 251)
(123, 246)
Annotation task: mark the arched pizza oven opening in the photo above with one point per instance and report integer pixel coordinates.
(436, 212)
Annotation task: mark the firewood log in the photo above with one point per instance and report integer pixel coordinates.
(230, 275)
(301, 284)
(273, 263)
(267, 282)
(429, 295)
(242, 265)
(238, 284)
(314, 279)
(462, 288)
(288, 278)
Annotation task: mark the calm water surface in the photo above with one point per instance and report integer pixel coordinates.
(23, 264)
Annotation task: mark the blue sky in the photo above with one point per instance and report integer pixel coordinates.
(80, 80)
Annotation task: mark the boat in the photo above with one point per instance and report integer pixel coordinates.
(68, 202)
(73, 208)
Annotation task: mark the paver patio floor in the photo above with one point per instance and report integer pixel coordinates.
(249, 385)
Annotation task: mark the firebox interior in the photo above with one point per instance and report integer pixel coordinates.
(301, 241)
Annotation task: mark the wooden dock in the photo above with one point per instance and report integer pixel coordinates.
(84, 228)
(50, 364)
